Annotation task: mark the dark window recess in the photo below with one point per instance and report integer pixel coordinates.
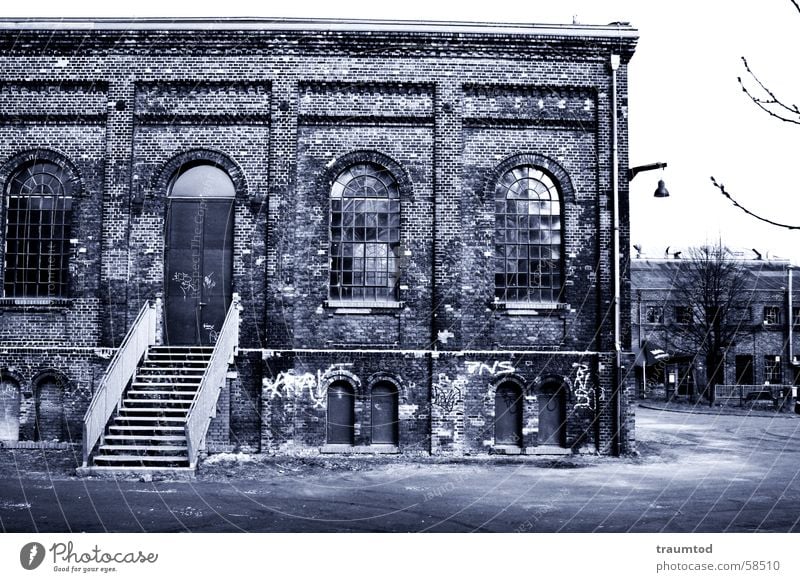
(772, 370)
(683, 314)
(744, 370)
(654, 314)
(772, 315)
(527, 237)
(365, 234)
(38, 217)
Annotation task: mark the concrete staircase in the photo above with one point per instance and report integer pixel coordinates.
(148, 429)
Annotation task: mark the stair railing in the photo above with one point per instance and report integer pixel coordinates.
(118, 374)
(204, 406)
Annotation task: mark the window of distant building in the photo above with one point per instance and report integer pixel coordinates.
(654, 314)
(772, 369)
(772, 315)
(528, 241)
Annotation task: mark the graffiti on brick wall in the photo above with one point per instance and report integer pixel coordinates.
(583, 387)
(445, 393)
(289, 384)
(504, 367)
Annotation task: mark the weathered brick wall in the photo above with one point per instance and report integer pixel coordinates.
(283, 108)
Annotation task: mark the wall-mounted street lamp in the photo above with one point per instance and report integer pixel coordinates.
(661, 191)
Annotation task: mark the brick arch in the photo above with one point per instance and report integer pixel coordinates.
(340, 375)
(74, 184)
(195, 157)
(390, 378)
(549, 380)
(513, 378)
(341, 163)
(554, 169)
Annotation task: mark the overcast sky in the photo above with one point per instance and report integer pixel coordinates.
(686, 107)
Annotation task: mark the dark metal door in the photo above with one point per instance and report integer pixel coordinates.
(384, 414)
(508, 415)
(9, 410)
(199, 269)
(552, 418)
(49, 410)
(341, 414)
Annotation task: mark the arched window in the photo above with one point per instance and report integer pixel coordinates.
(527, 237)
(38, 218)
(365, 234)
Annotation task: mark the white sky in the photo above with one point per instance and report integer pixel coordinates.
(686, 107)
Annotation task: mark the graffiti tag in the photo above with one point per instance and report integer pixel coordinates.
(583, 394)
(185, 282)
(445, 393)
(504, 367)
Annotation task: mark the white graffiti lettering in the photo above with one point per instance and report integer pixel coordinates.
(583, 393)
(291, 385)
(496, 368)
(185, 281)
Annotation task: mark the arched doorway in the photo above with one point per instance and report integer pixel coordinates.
(199, 254)
(384, 414)
(9, 409)
(49, 402)
(508, 414)
(341, 414)
(552, 415)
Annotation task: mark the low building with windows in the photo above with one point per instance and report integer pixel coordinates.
(764, 357)
(312, 236)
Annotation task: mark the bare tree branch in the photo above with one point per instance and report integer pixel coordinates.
(765, 104)
(750, 212)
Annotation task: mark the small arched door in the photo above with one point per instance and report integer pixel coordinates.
(49, 402)
(552, 415)
(199, 255)
(9, 409)
(384, 414)
(341, 414)
(508, 415)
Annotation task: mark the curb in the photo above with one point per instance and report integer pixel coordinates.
(720, 413)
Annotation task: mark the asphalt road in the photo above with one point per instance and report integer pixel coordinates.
(696, 473)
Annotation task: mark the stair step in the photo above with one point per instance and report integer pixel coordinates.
(143, 428)
(155, 448)
(176, 384)
(160, 374)
(171, 419)
(159, 401)
(169, 363)
(138, 459)
(151, 410)
(136, 437)
(182, 393)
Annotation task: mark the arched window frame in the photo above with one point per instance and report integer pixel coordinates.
(537, 278)
(49, 179)
(364, 230)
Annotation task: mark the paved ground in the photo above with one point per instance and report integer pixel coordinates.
(695, 473)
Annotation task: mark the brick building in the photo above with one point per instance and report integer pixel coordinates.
(414, 221)
(764, 356)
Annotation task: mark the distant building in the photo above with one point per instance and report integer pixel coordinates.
(765, 355)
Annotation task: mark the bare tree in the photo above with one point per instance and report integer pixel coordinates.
(776, 107)
(712, 290)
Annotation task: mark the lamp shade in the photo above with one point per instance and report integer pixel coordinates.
(661, 191)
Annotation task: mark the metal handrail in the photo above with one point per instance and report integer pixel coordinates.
(204, 405)
(118, 374)
(741, 391)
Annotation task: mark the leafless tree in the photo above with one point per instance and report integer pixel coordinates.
(776, 107)
(712, 289)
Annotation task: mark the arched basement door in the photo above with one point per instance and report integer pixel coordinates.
(199, 255)
(384, 414)
(552, 416)
(341, 414)
(508, 415)
(49, 402)
(9, 409)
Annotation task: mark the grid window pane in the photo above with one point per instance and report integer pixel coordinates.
(527, 237)
(38, 217)
(365, 219)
